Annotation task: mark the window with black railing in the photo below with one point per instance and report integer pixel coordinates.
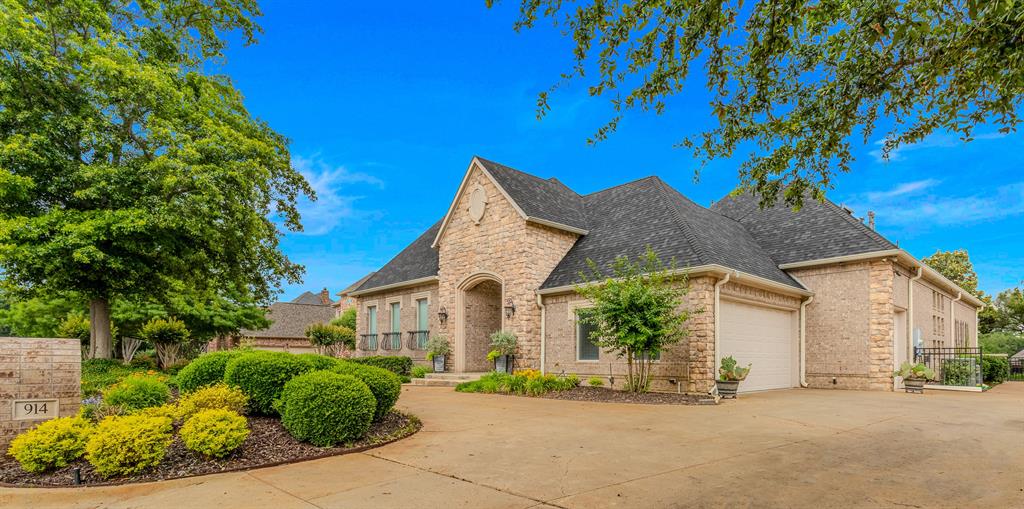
(954, 366)
(368, 342)
(391, 341)
(418, 340)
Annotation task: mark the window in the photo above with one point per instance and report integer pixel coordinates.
(396, 317)
(421, 315)
(586, 350)
(371, 320)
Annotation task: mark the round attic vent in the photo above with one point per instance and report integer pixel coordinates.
(477, 204)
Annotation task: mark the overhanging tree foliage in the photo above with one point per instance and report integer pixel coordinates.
(795, 82)
(957, 267)
(127, 171)
(637, 311)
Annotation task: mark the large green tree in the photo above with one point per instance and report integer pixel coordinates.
(126, 170)
(957, 267)
(795, 83)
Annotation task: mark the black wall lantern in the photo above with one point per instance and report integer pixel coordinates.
(442, 315)
(510, 308)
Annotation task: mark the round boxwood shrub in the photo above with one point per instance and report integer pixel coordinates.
(385, 385)
(207, 369)
(262, 375)
(325, 408)
(318, 362)
(214, 433)
(52, 444)
(128, 445)
(138, 391)
(214, 397)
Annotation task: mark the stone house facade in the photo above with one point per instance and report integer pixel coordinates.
(811, 298)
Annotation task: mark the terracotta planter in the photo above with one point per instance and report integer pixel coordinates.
(914, 386)
(438, 363)
(727, 388)
(504, 364)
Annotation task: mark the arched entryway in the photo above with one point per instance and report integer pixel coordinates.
(481, 315)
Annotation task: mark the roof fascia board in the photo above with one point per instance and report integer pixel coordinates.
(392, 286)
(935, 276)
(559, 226)
(713, 268)
(841, 259)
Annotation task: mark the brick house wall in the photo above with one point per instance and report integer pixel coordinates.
(520, 253)
(407, 298)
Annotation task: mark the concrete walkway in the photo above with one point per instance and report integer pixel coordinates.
(796, 448)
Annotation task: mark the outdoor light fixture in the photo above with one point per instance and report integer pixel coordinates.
(510, 308)
(442, 315)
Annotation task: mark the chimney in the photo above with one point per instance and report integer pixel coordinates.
(325, 297)
(871, 219)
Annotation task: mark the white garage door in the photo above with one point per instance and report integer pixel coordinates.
(764, 337)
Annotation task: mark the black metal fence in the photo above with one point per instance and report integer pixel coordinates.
(391, 341)
(418, 340)
(958, 366)
(1016, 369)
(368, 342)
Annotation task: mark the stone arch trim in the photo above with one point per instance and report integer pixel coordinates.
(467, 284)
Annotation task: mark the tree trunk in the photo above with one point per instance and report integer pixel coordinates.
(100, 342)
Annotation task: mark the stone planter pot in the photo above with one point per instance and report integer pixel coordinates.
(438, 363)
(914, 386)
(503, 364)
(727, 388)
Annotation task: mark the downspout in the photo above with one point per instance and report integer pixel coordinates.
(952, 316)
(910, 316)
(718, 313)
(803, 341)
(543, 339)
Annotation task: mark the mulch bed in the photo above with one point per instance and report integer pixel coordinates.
(269, 444)
(603, 395)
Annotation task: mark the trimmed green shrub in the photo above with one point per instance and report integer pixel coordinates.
(207, 369)
(995, 370)
(318, 362)
(326, 408)
(419, 371)
(138, 391)
(52, 444)
(956, 372)
(399, 365)
(128, 445)
(262, 375)
(167, 335)
(385, 385)
(214, 433)
(595, 381)
(527, 382)
(214, 397)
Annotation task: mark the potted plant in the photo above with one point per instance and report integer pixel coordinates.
(437, 350)
(503, 348)
(914, 376)
(729, 377)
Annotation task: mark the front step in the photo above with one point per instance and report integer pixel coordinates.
(445, 379)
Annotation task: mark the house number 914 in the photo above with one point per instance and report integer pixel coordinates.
(35, 409)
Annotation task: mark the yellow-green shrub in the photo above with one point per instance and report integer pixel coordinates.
(214, 432)
(52, 444)
(214, 397)
(129, 444)
(168, 411)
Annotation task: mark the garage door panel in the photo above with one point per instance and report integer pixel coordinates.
(760, 336)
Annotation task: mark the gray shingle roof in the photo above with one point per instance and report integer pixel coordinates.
(417, 261)
(308, 298)
(549, 200)
(628, 218)
(289, 320)
(355, 286)
(818, 230)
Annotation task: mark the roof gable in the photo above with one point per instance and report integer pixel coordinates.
(547, 202)
(819, 230)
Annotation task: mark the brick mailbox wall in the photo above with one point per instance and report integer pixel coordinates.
(35, 373)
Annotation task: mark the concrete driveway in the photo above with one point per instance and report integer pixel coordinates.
(796, 448)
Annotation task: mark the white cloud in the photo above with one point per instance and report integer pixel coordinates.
(929, 142)
(908, 205)
(333, 203)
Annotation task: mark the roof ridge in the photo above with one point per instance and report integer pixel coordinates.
(861, 227)
(684, 225)
(549, 180)
(631, 182)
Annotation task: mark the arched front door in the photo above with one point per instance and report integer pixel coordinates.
(480, 315)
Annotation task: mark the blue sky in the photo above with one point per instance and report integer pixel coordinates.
(386, 102)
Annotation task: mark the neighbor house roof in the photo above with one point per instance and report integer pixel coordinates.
(1018, 355)
(290, 319)
(819, 230)
(311, 298)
